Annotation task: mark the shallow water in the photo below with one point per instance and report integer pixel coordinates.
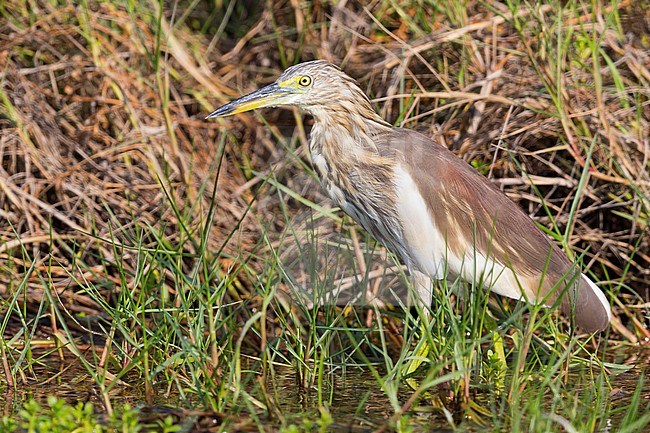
(352, 398)
(355, 402)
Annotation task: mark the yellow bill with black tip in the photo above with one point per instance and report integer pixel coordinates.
(268, 96)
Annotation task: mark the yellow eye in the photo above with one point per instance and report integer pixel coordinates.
(304, 81)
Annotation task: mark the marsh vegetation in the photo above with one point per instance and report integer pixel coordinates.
(177, 261)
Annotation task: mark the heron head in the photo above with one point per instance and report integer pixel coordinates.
(304, 85)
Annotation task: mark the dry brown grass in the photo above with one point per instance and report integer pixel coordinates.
(100, 130)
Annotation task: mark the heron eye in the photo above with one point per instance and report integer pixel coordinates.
(304, 81)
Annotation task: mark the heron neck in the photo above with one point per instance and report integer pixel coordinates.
(348, 132)
(344, 112)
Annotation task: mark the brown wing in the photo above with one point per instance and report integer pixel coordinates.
(465, 204)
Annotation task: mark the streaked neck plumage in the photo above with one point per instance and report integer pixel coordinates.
(352, 169)
(348, 125)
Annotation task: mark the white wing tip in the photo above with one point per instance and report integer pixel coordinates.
(601, 296)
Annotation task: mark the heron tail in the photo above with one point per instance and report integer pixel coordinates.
(589, 306)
